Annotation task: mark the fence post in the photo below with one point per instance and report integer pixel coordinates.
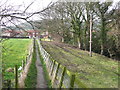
(56, 72)
(72, 80)
(23, 64)
(26, 60)
(9, 84)
(49, 63)
(52, 67)
(61, 80)
(16, 76)
(3, 70)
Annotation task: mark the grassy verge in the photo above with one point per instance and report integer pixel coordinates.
(45, 39)
(96, 72)
(30, 81)
(46, 76)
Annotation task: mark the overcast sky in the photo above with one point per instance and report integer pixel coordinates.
(37, 5)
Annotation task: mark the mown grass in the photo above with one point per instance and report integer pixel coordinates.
(30, 81)
(46, 75)
(95, 72)
(13, 52)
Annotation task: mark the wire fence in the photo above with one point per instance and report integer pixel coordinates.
(18, 71)
(59, 75)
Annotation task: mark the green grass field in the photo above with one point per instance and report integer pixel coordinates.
(95, 72)
(13, 52)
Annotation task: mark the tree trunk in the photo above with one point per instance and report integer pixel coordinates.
(62, 40)
(90, 47)
(102, 47)
(103, 35)
(110, 53)
(74, 39)
(72, 35)
(85, 41)
(79, 44)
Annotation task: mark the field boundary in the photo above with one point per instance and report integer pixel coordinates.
(19, 72)
(26, 67)
(59, 75)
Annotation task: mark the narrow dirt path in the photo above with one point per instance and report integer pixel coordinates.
(41, 82)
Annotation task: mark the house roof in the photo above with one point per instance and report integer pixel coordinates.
(19, 32)
(8, 31)
(33, 31)
(12, 31)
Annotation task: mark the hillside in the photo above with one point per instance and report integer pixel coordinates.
(26, 25)
(95, 72)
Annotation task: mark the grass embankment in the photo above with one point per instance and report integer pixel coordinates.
(13, 52)
(95, 72)
(30, 81)
(46, 39)
(46, 75)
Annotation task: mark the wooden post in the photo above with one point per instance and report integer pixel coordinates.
(56, 72)
(52, 67)
(26, 58)
(72, 80)
(61, 80)
(50, 64)
(23, 64)
(16, 76)
(2, 77)
(9, 84)
(47, 62)
(90, 36)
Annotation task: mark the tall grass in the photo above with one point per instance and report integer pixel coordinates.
(30, 81)
(13, 52)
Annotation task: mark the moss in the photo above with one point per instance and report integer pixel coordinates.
(96, 72)
(30, 81)
(46, 75)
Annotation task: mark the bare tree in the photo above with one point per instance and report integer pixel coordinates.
(101, 10)
(12, 15)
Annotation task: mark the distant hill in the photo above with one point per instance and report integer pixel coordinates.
(26, 26)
